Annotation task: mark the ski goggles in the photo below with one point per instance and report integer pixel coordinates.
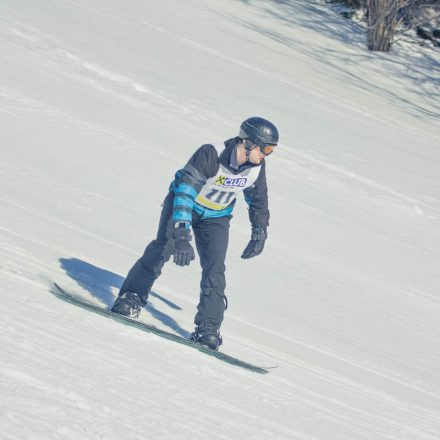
(265, 149)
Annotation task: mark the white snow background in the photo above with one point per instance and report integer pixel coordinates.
(101, 101)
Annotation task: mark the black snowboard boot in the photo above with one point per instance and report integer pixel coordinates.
(207, 333)
(128, 304)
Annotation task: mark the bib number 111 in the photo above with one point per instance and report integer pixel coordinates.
(220, 197)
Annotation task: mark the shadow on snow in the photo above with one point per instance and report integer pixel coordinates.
(319, 17)
(100, 282)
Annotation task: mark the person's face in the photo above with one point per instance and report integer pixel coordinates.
(256, 156)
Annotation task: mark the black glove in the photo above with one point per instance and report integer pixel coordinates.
(256, 245)
(183, 251)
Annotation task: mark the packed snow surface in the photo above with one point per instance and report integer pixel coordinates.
(100, 103)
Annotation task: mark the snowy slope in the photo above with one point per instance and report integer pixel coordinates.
(100, 103)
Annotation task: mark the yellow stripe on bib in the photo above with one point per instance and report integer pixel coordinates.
(209, 204)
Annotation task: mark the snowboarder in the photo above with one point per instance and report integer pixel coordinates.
(202, 197)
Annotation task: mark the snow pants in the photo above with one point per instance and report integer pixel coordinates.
(211, 238)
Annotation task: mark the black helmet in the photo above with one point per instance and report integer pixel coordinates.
(259, 131)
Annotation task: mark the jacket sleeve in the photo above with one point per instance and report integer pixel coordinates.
(190, 179)
(257, 199)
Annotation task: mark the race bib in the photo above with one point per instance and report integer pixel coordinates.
(222, 189)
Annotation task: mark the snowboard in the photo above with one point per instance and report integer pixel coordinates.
(78, 301)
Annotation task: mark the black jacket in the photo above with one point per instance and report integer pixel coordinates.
(205, 163)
